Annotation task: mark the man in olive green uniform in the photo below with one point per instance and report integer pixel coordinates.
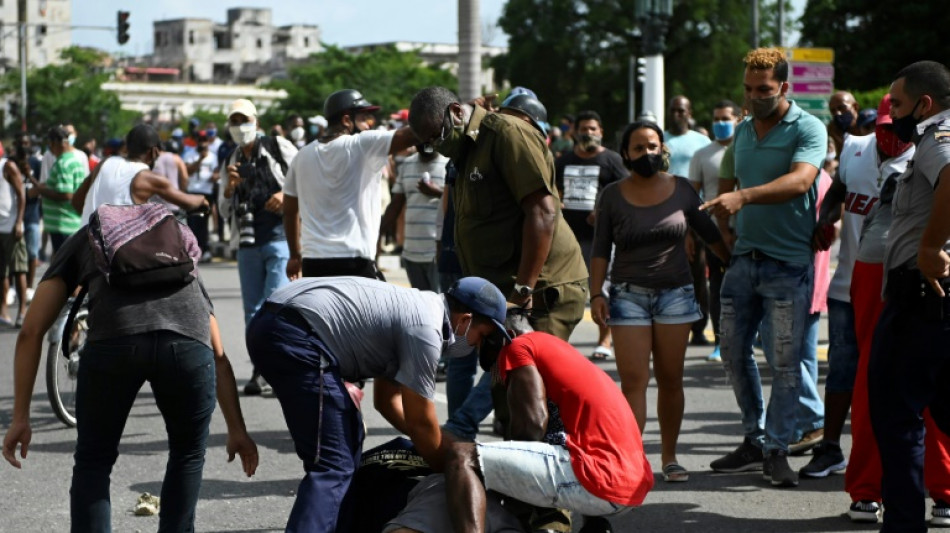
(508, 226)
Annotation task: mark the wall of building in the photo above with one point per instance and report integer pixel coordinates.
(44, 43)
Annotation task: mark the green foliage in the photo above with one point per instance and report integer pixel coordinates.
(71, 92)
(874, 40)
(386, 77)
(870, 99)
(575, 53)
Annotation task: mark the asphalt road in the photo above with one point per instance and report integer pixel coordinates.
(36, 498)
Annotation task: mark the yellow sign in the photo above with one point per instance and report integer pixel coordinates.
(811, 55)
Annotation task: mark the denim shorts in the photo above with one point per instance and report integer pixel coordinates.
(632, 305)
(539, 474)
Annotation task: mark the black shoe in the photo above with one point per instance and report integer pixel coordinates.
(699, 339)
(865, 511)
(257, 386)
(775, 469)
(826, 458)
(746, 457)
(596, 524)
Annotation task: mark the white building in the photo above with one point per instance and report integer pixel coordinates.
(169, 102)
(248, 48)
(47, 32)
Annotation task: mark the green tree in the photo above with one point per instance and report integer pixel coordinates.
(386, 77)
(70, 92)
(575, 53)
(874, 40)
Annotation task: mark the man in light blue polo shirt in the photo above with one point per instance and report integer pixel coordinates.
(778, 153)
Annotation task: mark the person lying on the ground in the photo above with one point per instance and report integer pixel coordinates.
(601, 470)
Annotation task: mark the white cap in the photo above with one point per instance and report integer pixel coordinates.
(318, 120)
(243, 106)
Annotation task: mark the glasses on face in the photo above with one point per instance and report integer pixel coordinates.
(444, 132)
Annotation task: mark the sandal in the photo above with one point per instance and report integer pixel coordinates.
(675, 473)
(601, 353)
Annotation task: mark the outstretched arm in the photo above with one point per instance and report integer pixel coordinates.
(147, 184)
(239, 442)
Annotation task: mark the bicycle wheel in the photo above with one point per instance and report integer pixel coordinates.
(61, 373)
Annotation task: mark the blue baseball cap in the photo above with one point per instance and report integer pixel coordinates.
(866, 117)
(483, 298)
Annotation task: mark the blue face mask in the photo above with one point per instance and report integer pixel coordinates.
(212, 132)
(723, 129)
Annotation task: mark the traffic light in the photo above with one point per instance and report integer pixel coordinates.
(14, 108)
(123, 27)
(641, 69)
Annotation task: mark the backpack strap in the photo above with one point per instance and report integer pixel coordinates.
(273, 148)
(68, 327)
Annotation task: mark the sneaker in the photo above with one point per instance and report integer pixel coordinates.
(699, 339)
(940, 514)
(775, 469)
(746, 457)
(866, 511)
(809, 441)
(11, 296)
(827, 458)
(256, 386)
(714, 357)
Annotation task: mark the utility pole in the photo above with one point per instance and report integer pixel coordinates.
(470, 49)
(755, 23)
(21, 16)
(780, 31)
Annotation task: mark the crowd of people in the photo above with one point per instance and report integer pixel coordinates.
(510, 228)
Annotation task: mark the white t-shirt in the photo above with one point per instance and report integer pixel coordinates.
(704, 169)
(8, 202)
(200, 182)
(113, 185)
(862, 173)
(337, 189)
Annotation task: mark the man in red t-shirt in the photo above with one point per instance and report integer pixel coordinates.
(601, 470)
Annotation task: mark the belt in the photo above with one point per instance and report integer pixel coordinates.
(759, 255)
(289, 314)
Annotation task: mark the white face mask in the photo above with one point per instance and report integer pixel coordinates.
(72, 139)
(297, 134)
(458, 346)
(244, 134)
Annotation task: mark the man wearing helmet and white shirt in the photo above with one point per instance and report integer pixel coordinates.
(332, 206)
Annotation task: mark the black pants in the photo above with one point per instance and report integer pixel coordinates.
(908, 371)
(341, 266)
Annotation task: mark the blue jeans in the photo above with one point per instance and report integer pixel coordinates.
(262, 269)
(325, 424)
(34, 237)
(465, 420)
(459, 379)
(842, 347)
(776, 294)
(811, 408)
(181, 372)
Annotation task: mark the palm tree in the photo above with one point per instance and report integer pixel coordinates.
(470, 47)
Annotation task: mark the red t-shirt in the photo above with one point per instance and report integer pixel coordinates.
(602, 434)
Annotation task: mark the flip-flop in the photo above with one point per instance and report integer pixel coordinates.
(675, 473)
(601, 353)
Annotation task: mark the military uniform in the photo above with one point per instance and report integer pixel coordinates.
(502, 160)
(909, 366)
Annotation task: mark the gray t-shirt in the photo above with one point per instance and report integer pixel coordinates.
(874, 234)
(374, 329)
(913, 200)
(704, 169)
(650, 241)
(184, 309)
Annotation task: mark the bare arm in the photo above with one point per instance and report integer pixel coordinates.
(292, 231)
(12, 175)
(537, 234)
(402, 139)
(392, 213)
(782, 189)
(829, 213)
(527, 403)
(422, 426)
(47, 302)
(238, 440)
(933, 261)
(182, 173)
(387, 399)
(147, 184)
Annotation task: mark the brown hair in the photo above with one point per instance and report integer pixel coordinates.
(768, 59)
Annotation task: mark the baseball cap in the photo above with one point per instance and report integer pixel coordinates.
(402, 115)
(884, 111)
(483, 298)
(243, 106)
(866, 117)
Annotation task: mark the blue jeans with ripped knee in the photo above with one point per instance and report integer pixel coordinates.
(776, 294)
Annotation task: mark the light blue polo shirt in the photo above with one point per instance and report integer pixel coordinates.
(782, 231)
(682, 147)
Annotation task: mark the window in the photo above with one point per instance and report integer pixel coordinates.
(260, 43)
(191, 36)
(158, 39)
(306, 42)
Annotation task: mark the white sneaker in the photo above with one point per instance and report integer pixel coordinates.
(11, 296)
(866, 511)
(29, 295)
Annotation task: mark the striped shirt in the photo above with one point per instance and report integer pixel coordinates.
(66, 175)
(422, 212)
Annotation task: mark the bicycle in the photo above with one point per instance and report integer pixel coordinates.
(61, 371)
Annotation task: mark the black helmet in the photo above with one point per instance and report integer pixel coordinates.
(531, 106)
(346, 100)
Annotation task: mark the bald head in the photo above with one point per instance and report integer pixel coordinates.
(680, 113)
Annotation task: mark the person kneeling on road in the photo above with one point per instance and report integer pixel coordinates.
(600, 470)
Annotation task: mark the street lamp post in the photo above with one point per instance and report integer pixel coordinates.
(654, 17)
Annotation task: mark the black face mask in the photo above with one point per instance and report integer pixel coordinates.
(844, 120)
(906, 126)
(646, 165)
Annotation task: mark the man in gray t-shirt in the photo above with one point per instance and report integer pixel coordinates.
(315, 334)
(910, 362)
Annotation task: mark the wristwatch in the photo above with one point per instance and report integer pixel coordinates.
(523, 290)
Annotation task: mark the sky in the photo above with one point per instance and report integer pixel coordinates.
(342, 22)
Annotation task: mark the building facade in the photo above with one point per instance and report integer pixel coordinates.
(47, 32)
(248, 48)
